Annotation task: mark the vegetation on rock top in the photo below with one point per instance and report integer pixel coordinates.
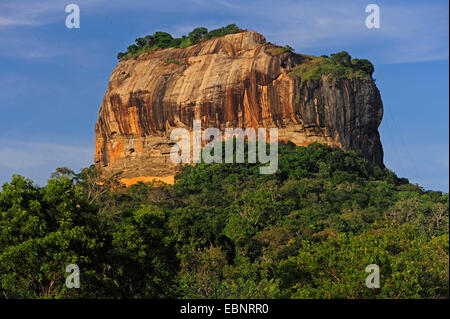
(174, 61)
(339, 65)
(160, 40)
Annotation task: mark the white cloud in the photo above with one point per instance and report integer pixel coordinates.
(36, 160)
(36, 49)
(27, 13)
(410, 32)
(35, 13)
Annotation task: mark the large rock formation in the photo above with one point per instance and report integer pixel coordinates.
(232, 81)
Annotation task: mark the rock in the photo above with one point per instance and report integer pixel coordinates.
(232, 81)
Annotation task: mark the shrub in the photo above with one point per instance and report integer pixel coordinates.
(363, 65)
(342, 58)
(185, 42)
(338, 66)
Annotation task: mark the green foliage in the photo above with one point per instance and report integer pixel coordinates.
(226, 231)
(132, 48)
(160, 40)
(140, 42)
(143, 255)
(185, 42)
(41, 232)
(62, 172)
(363, 65)
(288, 48)
(220, 32)
(196, 34)
(309, 230)
(334, 267)
(341, 58)
(339, 66)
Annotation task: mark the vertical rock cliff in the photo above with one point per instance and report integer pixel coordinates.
(238, 80)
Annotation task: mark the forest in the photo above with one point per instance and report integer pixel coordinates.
(226, 231)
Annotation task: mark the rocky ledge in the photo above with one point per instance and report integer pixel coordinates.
(238, 80)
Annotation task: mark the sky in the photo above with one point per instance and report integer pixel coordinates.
(53, 79)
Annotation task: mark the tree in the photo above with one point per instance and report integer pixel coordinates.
(196, 34)
(229, 29)
(141, 42)
(342, 58)
(94, 185)
(132, 48)
(144, 256)
(202, 274)
(162, 39)
(42, 230)
(226, 231)
(335, 267)
(288, 48)
(62, 172)
(367, 66)
(175, 43)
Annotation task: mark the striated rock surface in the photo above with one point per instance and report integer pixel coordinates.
(231, 81)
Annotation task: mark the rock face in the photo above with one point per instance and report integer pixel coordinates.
(231, 81)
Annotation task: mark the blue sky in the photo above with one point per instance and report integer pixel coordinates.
(52, 79)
